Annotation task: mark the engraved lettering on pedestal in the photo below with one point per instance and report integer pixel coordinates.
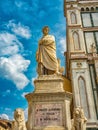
(48, 114)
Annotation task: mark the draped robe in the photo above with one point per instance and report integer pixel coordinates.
(46, 53)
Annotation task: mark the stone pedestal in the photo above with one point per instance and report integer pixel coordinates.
(49, 105)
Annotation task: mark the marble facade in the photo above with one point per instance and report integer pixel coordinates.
(82, 56)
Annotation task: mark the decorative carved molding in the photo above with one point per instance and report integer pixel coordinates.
(79, 64)
(35, 97)
(81, 55)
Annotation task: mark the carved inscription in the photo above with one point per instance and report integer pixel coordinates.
(48, 114)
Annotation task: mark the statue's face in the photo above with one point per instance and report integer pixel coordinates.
(45, 31)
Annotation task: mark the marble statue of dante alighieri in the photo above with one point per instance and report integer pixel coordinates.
(46, 54)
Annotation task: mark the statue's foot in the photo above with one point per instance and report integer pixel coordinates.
(57, 73)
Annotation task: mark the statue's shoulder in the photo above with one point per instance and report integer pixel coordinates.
(51, 37)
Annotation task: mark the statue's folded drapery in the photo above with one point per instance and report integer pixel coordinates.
(46, 53)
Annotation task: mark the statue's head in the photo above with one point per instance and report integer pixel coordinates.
(19, 114)
(45, 30)
(77, 111)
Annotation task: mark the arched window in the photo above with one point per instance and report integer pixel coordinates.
(83, 95)
(82, 9)
(76, 41)
(73, 18)
(92, 8)
(96, 8)
(87, 9)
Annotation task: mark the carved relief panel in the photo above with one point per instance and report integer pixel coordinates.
(76, 40)
(73, 16)
(82, 88)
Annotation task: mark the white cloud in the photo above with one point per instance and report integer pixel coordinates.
(23, 4)
(12, 68)
(19, 4)
(9, 44)
(20, 29)
(14, 65)
(4, 116)
(24, 93)
(62, 44)
(33, 80)
(8, 91)
(10, 50)
(7, 38)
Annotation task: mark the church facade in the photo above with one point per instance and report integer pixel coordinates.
(82, 56)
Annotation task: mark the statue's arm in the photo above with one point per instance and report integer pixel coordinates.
(47, 41)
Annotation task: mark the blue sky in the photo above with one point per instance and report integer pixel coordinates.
(21, 22)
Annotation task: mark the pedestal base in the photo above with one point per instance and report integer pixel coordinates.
(49, 105)
(54, 128)
(49, 84)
